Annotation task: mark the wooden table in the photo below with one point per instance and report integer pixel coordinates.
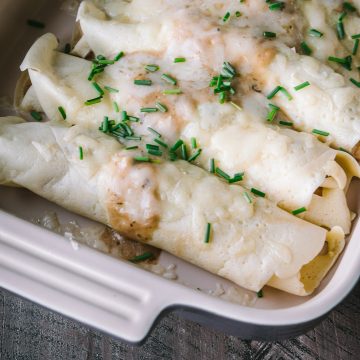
(30, 332)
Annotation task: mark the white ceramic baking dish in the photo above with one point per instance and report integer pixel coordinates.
(116, 296)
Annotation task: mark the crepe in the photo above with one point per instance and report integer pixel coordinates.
(168, 205)
(289, 167)
(330, 104)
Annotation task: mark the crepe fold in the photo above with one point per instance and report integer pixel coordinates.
(168, 205)
(294, 169)
(330, 104)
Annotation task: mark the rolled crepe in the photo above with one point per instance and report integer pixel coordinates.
(167, 205)
(330, 104)
(286, 165)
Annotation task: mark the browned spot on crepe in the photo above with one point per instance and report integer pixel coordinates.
(120, 205)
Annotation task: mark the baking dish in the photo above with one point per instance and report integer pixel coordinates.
(115, 296)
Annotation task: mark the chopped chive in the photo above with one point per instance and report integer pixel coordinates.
(315, 33)
(260, 294)
(81, 153)
(207, 233)
(269, 34)
(320, 132)
(133, 118)
(348, 6)
(93, 101)
(136, 138)
(356, 46)
(100, 57)
(247, 197)
(111, 89)
(184, 154)
(119, 56)
(160, 143)
(106, 62)
(274, 92)
(155, 152)
(152, 147)
(276, 6)
(286, 93)
(305, 48)
(132, 147)
(286, 123)
(36, 115)
(226, 17)
(116, 107)
(62, 112)
(144, 82)
(124, 115)
(356, 83)
(172, 156)
(356, 36)
(212, 166)
(172, 92)
(301, 86)
(272, 113)
(105, 125)
(148, 109)
(169, 79)
(193, 143)
(161, 107)
(195, 155)
(235, 179)
(222, 97)
(342, 16)
(142, 159)
(236, 106)
(237, 13)
(222, 173)
(176, 145)
(142, 257)
(345, 62)
(257, 192)
(229, 68)
(299, 211)
(340, 30)
(152, 68)
(128, 129)
(67, 48)
(179, 60)
(35, 23)
(154, 132)
(98, 88)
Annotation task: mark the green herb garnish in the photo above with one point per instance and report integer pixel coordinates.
(62, 112)
(142, 257)
(315, 33)
(179, 60)
(36, 115)
(301, 86)
(143, 82)
(299, 211)
(152, 68)
(257, 192)
(320, 132)
(207, 233)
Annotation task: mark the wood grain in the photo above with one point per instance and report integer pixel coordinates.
(30, 332)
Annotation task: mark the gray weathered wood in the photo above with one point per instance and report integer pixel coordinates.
(30, 332)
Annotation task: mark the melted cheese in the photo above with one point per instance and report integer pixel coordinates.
(198, 32)
(167, 205)
(295, 164)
